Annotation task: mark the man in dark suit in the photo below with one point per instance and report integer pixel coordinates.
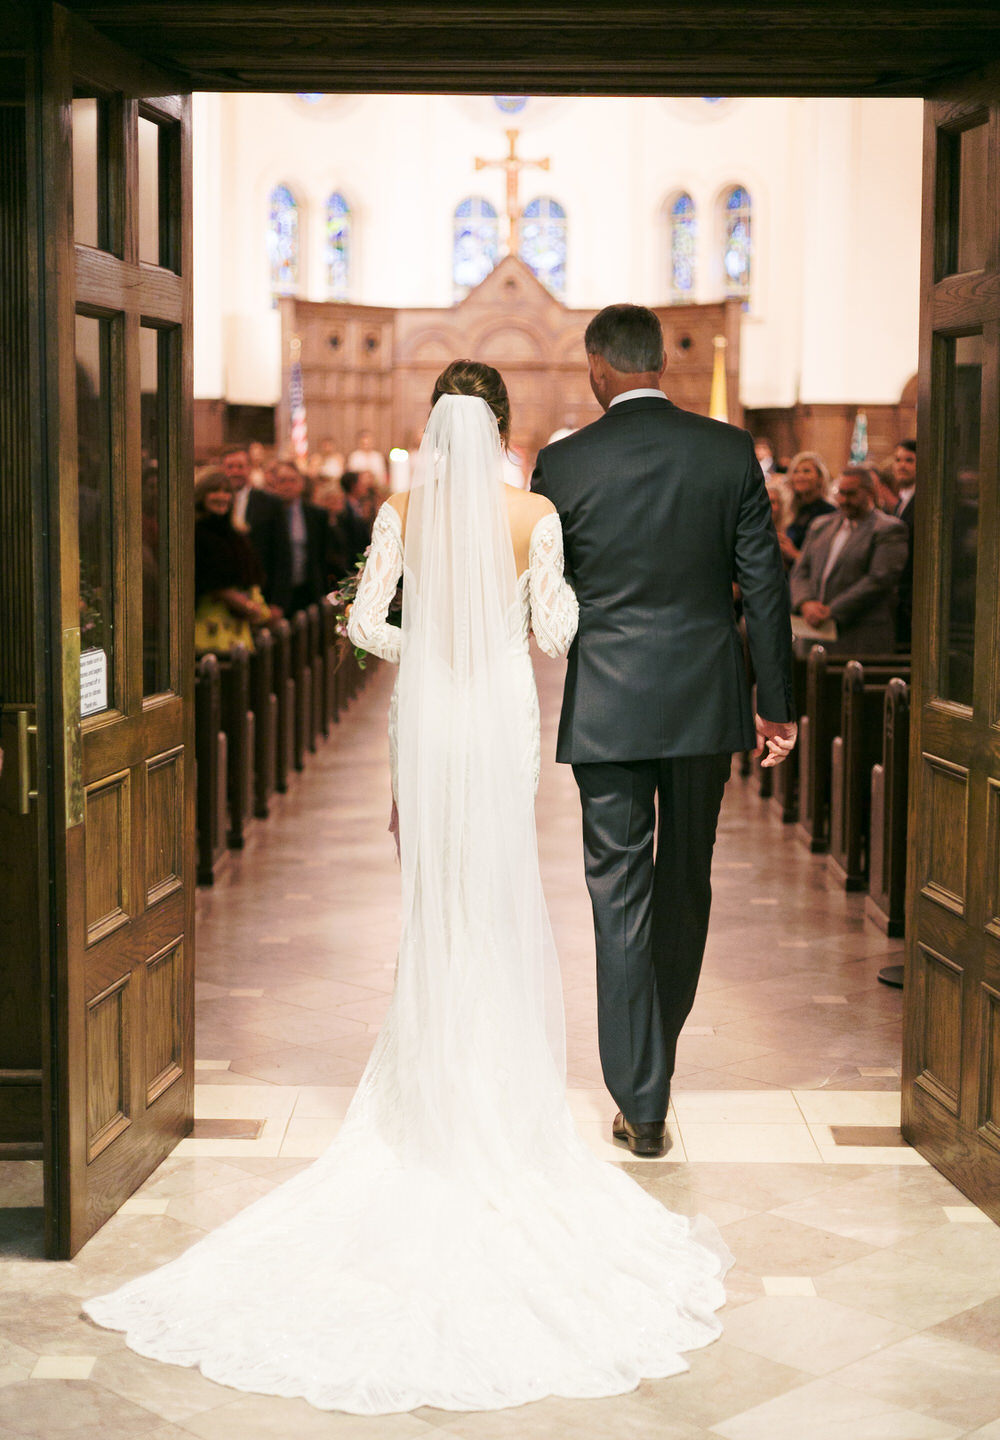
(263, 517)
(904, 476)
(307, 527)
(661, 511)
(849, 568)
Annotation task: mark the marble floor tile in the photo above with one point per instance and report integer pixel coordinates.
(174, 1392)
(768, 1244)
(737, 1107)
(812, 1334)
(979, 1326)
(848, 1107)
(824, 1410)
(972, 1249)
(63, 1367)
(909, 1291)
(751, 1143)
(940, 1377)
(788, 1285)
(76, 1409)
(269, 1417)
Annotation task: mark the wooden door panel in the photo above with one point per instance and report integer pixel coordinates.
(163, 858)
(107, 819)
(951, 1100)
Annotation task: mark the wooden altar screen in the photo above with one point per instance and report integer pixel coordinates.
(365, 367)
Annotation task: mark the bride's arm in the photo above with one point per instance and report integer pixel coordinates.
(554, 609)
(367, 626)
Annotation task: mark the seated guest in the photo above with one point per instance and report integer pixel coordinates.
(306, 580)
(810, 482)
(777, 493)
(904, 476)
(357, 517)
(227, 574)
(262, 516)
(329, 495)
(849, 568)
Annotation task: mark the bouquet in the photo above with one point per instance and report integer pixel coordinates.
(343, 598)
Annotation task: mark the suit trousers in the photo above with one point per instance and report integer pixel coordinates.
(650, 911)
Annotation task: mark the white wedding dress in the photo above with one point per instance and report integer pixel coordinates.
(457, 1245)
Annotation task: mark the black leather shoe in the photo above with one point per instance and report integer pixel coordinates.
(649, 1138)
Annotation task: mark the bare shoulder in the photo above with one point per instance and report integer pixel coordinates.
(399, 503)
(526, 506)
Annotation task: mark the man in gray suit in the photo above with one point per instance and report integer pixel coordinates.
(662, 510)
(849, 569)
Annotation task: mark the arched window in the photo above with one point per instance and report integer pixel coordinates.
(683, 239)
(543, 242)
(337, 246)
(475, 244)
(737, 243)
(283, 241)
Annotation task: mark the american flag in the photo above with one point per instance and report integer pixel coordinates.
(297, 406)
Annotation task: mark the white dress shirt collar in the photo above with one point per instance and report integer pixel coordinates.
(637, 395)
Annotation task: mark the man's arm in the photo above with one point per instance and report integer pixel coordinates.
(760, 574)
(888, 561)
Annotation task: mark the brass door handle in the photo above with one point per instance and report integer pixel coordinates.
(25, 793)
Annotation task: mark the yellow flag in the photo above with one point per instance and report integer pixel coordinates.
(718, 405)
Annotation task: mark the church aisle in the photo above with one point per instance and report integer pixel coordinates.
(866, 1297)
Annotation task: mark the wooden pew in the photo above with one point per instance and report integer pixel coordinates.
(284, 689)
(210, 763)
(238, 724)
(818, 726)
(264, 704)
(785, 791)
(889, 792)
(302, 678)
(853, 753)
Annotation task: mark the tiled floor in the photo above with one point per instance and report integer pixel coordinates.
(865, 1304)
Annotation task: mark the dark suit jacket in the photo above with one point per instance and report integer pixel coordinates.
(317, 541)
(861, 589)
(662, 511)
(265, 519)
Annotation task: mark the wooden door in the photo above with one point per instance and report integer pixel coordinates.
(951, 1080)
(113, 218)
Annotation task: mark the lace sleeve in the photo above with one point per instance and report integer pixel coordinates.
(554, 609)
(367, 626)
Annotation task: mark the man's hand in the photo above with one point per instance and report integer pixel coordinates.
(814, 612)
(778, 737)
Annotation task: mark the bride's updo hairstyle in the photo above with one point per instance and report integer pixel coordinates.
(471, 377)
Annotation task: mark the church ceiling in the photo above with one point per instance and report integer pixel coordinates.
(801, 47)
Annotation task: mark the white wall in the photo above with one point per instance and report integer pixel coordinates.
(835, 186)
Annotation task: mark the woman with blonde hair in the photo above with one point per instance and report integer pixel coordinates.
(809, 478)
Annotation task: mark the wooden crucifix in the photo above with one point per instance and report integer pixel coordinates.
(512, 164)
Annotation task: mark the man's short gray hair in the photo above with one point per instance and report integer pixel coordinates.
(628, 336)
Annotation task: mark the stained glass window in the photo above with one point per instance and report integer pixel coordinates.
(543, 242)
(683, 237)
(476, 243)
(283, 241)
(737, 244)
(510, 104)
(337, 248)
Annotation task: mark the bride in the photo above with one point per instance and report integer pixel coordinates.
(457, 1245)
